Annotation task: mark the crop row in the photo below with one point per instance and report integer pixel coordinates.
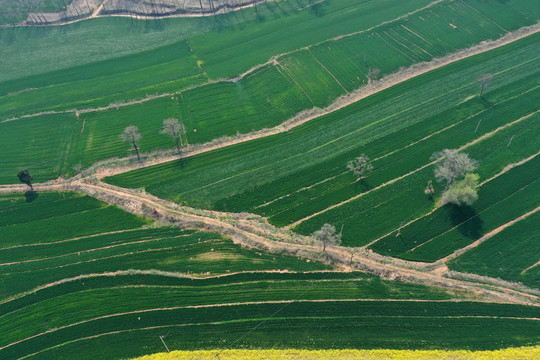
(269, 168)
(385, 209)
(271, 95)
(449, 228)
(45, 314)
(352, 325)
(409, 158)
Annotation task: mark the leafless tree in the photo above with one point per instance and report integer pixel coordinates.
(360, 165)
(484, 81)
(176, 129)
(131, 135)
(373, 74)
(452, 165)
(327, 236)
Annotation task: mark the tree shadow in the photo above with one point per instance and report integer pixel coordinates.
(361, 186)
(30, 196)
(467, 219)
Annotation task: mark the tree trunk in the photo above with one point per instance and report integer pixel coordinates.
(177, 145)
(137, 151)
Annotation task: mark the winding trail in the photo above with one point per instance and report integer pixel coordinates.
(253, 231)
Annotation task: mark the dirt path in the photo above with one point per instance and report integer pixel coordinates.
(530, 267)
(252, 231)
(98, 9)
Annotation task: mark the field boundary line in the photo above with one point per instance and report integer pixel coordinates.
(96, 249)
(510, 167)
(392, 46)
(325, 68)
(71, 239)
(300, 190)
(487, 236)
(476, 215)
(483, 15)
(530, 267)
(180, 275)
(296, 82)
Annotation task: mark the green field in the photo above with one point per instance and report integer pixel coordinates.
(99, 286)
(266, 97)
(290, 176)
(80, 278)
(507, 255)
(370, 324)
(450, 228)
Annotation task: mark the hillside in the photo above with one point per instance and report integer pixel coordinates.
(212, 241)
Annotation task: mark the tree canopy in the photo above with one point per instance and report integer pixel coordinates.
(327, 235)
(360, 165)
(455, 169)
(25, 177)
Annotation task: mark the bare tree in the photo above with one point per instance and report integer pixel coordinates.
(131, 135)
(176, 129)
(452, 165)
(360, 165)
(484, 81)
(373, 74)
(327, 235)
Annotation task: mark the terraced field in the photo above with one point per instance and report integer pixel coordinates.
(291, 177)
(503, 255)
(65, 292)
(185, 75)
(210, 265)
